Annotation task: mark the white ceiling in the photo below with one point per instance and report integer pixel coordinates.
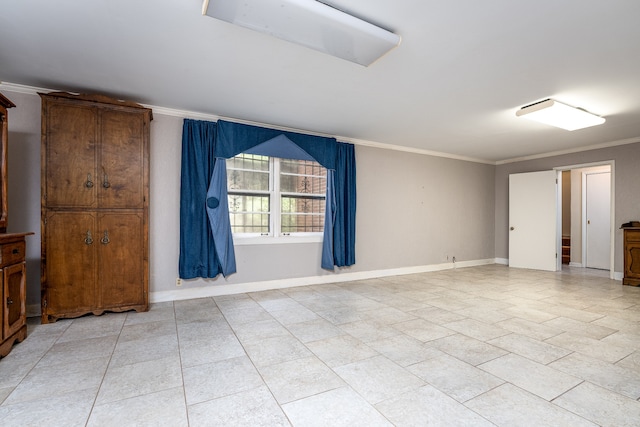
(453, 85)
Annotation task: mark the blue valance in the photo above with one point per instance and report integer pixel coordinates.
(236, 138)
(281, 147)
(208, 254)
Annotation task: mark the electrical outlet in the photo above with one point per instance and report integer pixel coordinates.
(178, 282)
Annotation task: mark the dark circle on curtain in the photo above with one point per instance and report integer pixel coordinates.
(212, 202)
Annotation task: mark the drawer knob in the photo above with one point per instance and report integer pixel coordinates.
(9, 301)
(15, 251)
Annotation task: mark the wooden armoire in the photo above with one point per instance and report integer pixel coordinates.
(95, 205)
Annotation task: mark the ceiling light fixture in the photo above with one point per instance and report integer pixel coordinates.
(310, 23)
(560, 115)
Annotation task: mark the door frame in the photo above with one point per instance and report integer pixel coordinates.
(612, 232)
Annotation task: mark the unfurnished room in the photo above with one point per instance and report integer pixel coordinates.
(319, 213)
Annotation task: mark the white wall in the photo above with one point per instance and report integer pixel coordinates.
(413, 211)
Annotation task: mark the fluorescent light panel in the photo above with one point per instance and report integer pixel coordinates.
(309, 23)
(560, 115)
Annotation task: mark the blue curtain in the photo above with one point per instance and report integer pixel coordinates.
(206, 242)
(328, 260)
(344, 228)
(197, 250)
(218, 211)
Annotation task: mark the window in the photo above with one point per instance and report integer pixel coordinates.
(270, 196)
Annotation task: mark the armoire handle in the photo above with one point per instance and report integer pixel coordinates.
(89, 239)
(105, 181)
(89, 183)
(105, 240)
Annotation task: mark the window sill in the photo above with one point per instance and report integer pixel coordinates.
(270, 240)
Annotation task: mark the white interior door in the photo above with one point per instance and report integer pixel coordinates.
(533, 220)
(598, 220)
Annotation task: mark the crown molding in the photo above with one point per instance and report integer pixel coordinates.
(32, 90)
(29, 90)
(570, 151)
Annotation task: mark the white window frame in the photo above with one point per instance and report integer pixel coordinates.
(275, 236)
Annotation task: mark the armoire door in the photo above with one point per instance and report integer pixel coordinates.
(70, 269)
(122, 160)
(70, 156)
(121, 259)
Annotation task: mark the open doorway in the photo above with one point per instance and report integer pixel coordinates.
(535, 218)
(586, 211)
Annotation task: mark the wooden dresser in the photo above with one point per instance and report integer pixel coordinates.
(13, 282)
(631, 244)
(95, 205)
(13, 275)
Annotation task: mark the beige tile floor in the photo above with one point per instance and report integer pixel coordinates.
(477, 346)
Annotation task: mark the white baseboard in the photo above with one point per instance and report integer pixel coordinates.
(33, 310)
(616, 274)
(219, 290)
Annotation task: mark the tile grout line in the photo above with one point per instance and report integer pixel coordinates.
(184, 390)
(106, 369)
(552, 401)
(251, 360)
(34, 366)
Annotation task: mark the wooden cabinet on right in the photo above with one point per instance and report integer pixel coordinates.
(631, 256)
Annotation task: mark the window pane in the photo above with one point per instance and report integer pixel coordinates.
(249, 213)
(249, 223)
(296, 204)
(247, 180)
(302, 223)
(303, 184)
(301, 176)
(304, 167)
(248, 203)
(302, 214)
(248, 172)
(249, 161)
